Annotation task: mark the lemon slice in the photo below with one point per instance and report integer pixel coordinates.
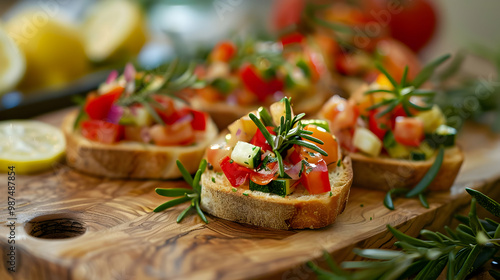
(30, 146)
(12, 63)
(114, 30)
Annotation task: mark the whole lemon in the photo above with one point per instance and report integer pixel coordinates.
(53, 49)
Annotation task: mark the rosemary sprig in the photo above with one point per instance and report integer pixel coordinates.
(404, 90)
(462, 251)
(193, 195)
(289, 132)
(248, 52)
(159, 81)
(420, 188)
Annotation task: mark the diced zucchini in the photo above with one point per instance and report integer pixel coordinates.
(417, 155)
(138, 117)
(367, 142)
(246, 154)
(444, 135)
(398, 151)
(432, 119)
(320, 123)
(277, 186)
(277, 111)
(281, 186)
(261, 188)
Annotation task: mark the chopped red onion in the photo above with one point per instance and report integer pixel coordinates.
(293, 170)
(186, 119)
(238, 132)
(129, 72)
(112, 77)
(115, 114)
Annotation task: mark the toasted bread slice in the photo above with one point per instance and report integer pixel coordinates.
(296, 211)
(129, 159)
(386, 173)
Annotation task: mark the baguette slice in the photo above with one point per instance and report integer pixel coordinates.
(295, 211)
(387, 173)
(132, 159)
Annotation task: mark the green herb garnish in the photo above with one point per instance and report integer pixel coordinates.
(289, 132)
(170, 82)
(420, 188)
(461, 252)
(193, 195)
(403, 91)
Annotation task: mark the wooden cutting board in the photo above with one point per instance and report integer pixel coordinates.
(74, 226)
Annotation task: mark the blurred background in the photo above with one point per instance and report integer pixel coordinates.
(52, 50)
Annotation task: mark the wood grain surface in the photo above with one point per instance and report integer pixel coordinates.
(74, 226)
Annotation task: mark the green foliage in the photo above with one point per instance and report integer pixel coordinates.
(461, 252)
(193, 195)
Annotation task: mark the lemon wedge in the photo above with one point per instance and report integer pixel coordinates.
(53, 50)
(30, 146)
(114, 30)
(12, 63)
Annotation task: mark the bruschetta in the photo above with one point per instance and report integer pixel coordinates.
(274, 169)
(394, 134)
(242, 77)
(127, 129)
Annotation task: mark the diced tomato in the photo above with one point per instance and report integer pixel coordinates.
(260, 141)
(199, 122)
(200, 71)
(167, 105)
(327, 44)
(265, 175)
(295, 156)
(102, 131)
(257, 85)
(236, 174)
(223, 51)
(310, 155)
(97, 108)
(341, 113)
(180, 133)
(215, 153)
(379, 125)
(409, 131)
(395, 56)
(315, 178)
(330, 145)
(286, 13)
(292, 38)
(333, 107)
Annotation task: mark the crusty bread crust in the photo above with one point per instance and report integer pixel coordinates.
(224, 114)
(132, 159)
(295, 211)
(387, 173)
